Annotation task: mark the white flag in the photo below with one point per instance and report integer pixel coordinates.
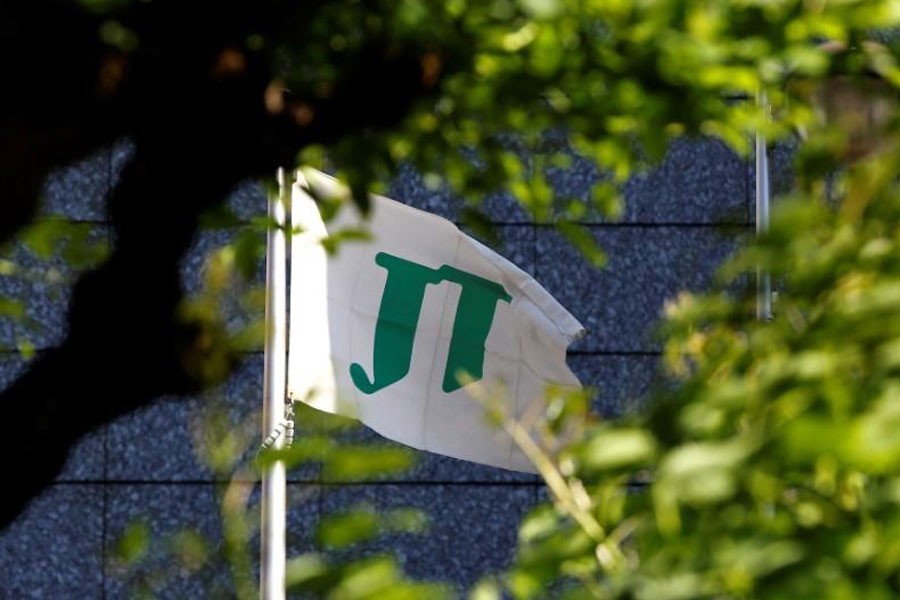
(387, 329)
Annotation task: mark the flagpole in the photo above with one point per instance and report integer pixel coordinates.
(274, 484)
(763, 279)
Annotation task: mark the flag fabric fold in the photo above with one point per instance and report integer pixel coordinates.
(405, 329)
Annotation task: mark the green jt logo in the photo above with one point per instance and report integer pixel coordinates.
(398, 319)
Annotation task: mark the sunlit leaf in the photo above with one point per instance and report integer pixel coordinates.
(26, 348)
(485, 590)
(617, 448)
(368, 579)
(348, 528)
(362, 462)
(133, 543)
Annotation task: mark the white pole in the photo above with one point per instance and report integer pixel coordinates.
(274, 485)
(763, 279)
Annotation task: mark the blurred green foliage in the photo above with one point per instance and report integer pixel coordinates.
(523, 84)
(44, 260)
(157, 562)
(769, 466)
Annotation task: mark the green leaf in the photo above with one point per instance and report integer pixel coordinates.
(368, 579)
(365, 462)
(249, 251)
(405, 520)
(338, 531)
(582, 239)
(524, 584)
(116, 34)
(540, 522)
(607, 199)
(301, 572)
(547, 53)
(617, 448)
(134, 543)
(10, 307)
(26, 348)
(303, 450)
(333, 242)
(43, 237)
(191, 549)
(704, 473)
(480, 225)
(486, 589)
(219, 217)
(542, 9)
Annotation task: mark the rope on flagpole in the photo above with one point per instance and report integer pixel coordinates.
(285, 428)
(288, 423)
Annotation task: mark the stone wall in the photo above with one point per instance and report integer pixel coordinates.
(681, 221)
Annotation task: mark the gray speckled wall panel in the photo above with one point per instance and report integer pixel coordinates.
(410, 188)
(43, 286)
(55, 549)
(79, 191)
(194, 262)
(502, 207)
(120, 153)
(159, 443)
(516, 244)
(248, 200)
(166, 510)
(171, 508)
(304, 504)
(232, 300)
(781, 175)
(699, 181)
(148, 459)
(622, 382)
(472, 529)
(43, 324)
(620, 304)
(87, 459)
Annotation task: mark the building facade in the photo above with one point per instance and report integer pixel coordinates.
(681, 221)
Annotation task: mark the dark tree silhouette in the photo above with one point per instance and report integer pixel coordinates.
(204, 113)
(199, 88)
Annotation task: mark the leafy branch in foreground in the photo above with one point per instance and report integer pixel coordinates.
(773, 455)
(219, 555)
(477, 95)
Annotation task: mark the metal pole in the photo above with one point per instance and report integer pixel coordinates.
(274, 485)
(763, 279)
